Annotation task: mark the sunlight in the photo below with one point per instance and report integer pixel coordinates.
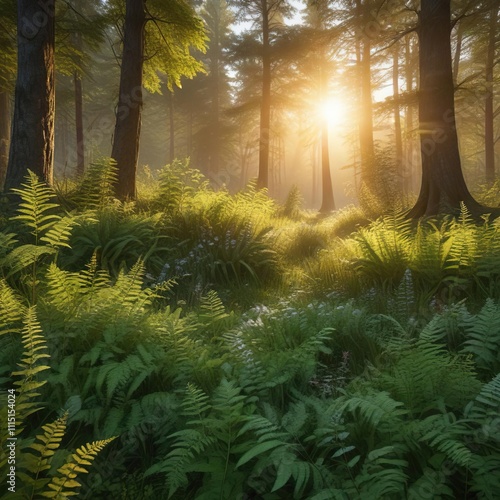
(334, 110)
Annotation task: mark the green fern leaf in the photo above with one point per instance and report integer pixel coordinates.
(34, 351)
(35, 207)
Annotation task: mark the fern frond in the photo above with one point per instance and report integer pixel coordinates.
(486, 405)
(34, 351)
(59, 233)
(483, 338)
(35, 464)
(11, 309)
(35, 209)
(25, 255)
(96, 189)
(374, 408)
(7, 240)
(64, 484)
(383, 474)
(213, 315)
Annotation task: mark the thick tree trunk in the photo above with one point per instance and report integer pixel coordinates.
(4, 134)
(265, 107)
(128, 115)
(443, 186)
(489, 114)
(32, 142)
(80, 145)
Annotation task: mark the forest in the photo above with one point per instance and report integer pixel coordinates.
(249, 249)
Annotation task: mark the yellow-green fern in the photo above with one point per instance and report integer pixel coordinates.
(64, 484)
(29, 366)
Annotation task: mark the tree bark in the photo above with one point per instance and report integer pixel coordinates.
(409, 167)
(397, 121)
(80, 145)
(265, 107)
(363, 54)
(32, 142)
(458, 51)
(128, 115)
(489, 113)
(4, 134)
(443, 187)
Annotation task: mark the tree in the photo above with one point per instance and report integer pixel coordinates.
(32, 142)
(218, 18)
(80, 28)
(7, 79)
(268, 15)
(489, 112)
(443, 187)
(168, 31)
(319, 17)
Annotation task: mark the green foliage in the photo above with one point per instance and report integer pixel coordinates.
(48, 232)
(64, 484)
(35, 454)
(483, 338)
(383, 385)
(178, 183)
(96, 190)
(293, 204)
(118, 237)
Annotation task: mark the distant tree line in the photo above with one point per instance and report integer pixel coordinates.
(234, 75)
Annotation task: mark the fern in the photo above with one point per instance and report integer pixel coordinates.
(35, 464)
(189, 443)
(96, 190)
(11, 309)
(35, 209)
(483, 338)
(213, 316)
(64, 484)
(486, 406)
(30, 366)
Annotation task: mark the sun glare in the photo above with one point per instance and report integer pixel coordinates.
(334, 110)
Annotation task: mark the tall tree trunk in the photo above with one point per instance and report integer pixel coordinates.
(4, 134)
(265, 107)
(328, 201)
(489, 114)
(443, 186)
(458, 51)
(80, 145)
(366, 127)
(367, 147)
(409, 118)
(128, 115)
(32, 142)
(214, 153)
(397, 121)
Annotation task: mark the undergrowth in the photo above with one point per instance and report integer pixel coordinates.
(233, 348)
